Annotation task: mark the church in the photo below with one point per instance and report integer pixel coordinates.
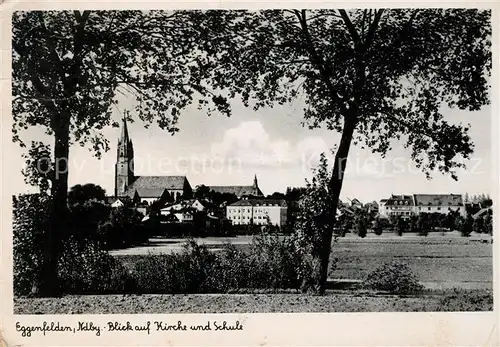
(144, 188)
(240, 191)
(152, 188)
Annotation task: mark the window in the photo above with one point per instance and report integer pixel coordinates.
(428, 208)
(439, 208)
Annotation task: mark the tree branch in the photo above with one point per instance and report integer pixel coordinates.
(350, 27)
(372, 29)
(316, 58)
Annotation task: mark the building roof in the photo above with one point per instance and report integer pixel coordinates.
(438, 200)
(112, 199)
(399, 200)
(260, 202)
(154, 186)
(481, 212)
(237, 190)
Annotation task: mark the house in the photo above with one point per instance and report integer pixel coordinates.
(144, 188)
(184, 216)
(372, 207)
(240, 191)
(198, 205)
(409, 205)
(382, 209)
(258, 212)
(398, 205)
(440, 203)
(115, 202)
(194, 204)
(118, 203)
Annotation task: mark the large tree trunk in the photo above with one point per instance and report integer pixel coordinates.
(49, 284)
(335, 188)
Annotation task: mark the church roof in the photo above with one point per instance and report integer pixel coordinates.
(237, 190)
(154, 186)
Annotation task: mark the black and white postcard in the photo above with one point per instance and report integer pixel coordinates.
(249, 174)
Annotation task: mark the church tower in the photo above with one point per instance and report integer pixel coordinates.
(255, 186)
(124, 169)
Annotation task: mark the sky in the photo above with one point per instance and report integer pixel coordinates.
(272, 144)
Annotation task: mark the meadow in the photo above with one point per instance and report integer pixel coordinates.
(439, 261)
(457, 274)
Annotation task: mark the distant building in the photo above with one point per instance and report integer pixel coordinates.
(382, 210)
(440, 203)
(240, 191)
(399, 205)
(258, 212)
(409, 205)
(144, 188)
(118, 203)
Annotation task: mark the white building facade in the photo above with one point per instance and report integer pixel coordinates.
(411, 205)
(258, 212)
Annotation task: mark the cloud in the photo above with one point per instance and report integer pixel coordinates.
(250, 144)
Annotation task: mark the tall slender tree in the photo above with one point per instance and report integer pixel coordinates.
(69, 66)
(374, 75)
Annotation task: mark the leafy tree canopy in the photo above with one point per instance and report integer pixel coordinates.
(82, 193)
(72, 64)
(387, 72)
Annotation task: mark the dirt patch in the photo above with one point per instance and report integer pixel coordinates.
(244, 303)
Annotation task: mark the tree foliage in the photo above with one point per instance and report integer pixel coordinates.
(374, 75)
(68, 69)
(82, 193)
(314, 222)
(75, 63)
(393, 68)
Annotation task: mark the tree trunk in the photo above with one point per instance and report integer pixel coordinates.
(335, 188)
(49, 285)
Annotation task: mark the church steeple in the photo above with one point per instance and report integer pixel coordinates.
(124, 135)
(255, 185)
(124, 174)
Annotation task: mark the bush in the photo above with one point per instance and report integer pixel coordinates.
(274, 263)
(400, 226)
(30, 225)
(85, 218)
(123, 228)
(185, 272)
(467, 225)
(361, 226)
(270, 263)
(377, 227)
(488, 224)
(478, 225)
(461, 300)
(395, 278)
(83, 267)
(423, 224)
(90, 270)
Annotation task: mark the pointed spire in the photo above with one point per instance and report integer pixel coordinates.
(124, 136)
(255, 185)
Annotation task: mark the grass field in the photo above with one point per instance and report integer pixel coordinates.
(457, 272)
(440, 262)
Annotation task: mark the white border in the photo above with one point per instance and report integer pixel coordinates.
(341, 329)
